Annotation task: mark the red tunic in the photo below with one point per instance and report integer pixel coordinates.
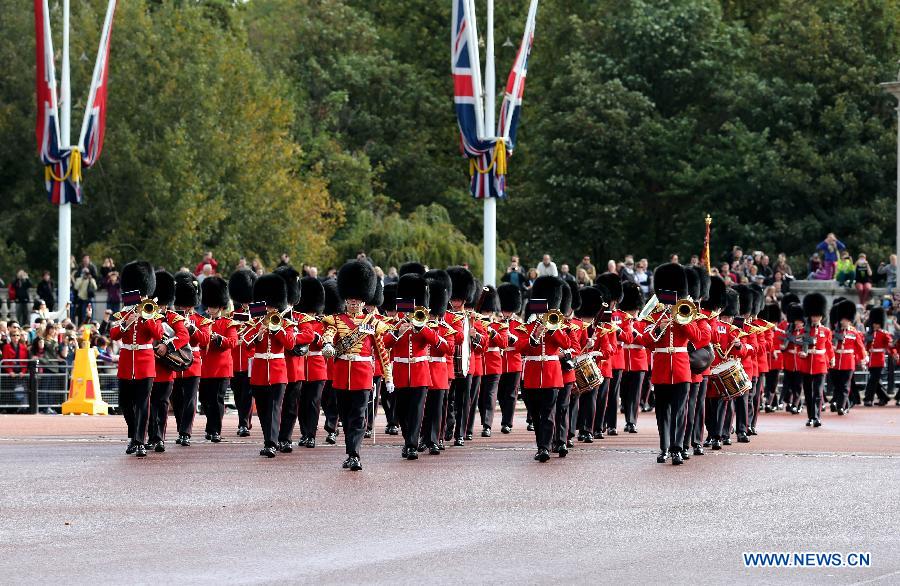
(498, 340)
(241, 353)
(512, 360)
(776, 357)
(303, 334)
(878, 348)
(541, 357)
(822, 354)
(441, 360)
(705, 329)
(136, 357)
(182, 339)
(622, 337)
(476, 360)
(411, 354)
(849, 351)
(636, 358)
(217, 358)
(356, 371)
(267, 366)
(315, 364)
(199, 340)
(671, 364)
(726, 346)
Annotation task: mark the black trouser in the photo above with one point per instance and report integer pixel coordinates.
(873, 385)
(290, 408)
(310, 403)
(212, 397)
(487, 399)
(410, 411)
(772, 388)
(159, 410)
(588, 404)
(561, 421)
(758, 384)
(690, 406)
(184, 403)
(137, 406)
(574, 403)
(507, 393)
(330, 408)
(791, 388)
(352, 409)
(599, 412)
(474, 394)
(715, 417)
(243, 398)
(841, 394)
(372, 407)
(812, 394)
(740, 409)
(457, 407)
(389, 404)
(431, 422)
(612, 401)
(632, 381)
(670, 420)
(647, 396)
(696, 435)
(268, 409)
(891, 366)
(542, 404)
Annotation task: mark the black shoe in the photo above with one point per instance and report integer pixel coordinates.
(726, 441)
(698, 451)
(882, 403)
(661, 458)
(632, 429)
(833, 407)
(486, 432)
(563, 451)
(140, 451)
(867, 403)
(469, 437)
(543, 455)
(677, 459)
(244, 432)
(743, 439)
(412, 455)
(817, 423)
(395, 430)
(368, 434)
(434, 451)
(769, 409)
(178, 440)
(841, 412)
(809, 423)
(684, 455)
(530, 427)
(588, 438)
(346, 463)
(612, 431)
(286, 448)
(751, 431)
(310, 442)
(598, 435)
(505, 429)
(404, 452)
(131, 448)
(160, 447)
(570, 443)
(331, 438)
(268, 452)
(421, 447)
(707, 442)
(356, 465)
(186, 441)
(208, 437)
(441, 445)
(216, 438)
(459, 442)
(716, 445)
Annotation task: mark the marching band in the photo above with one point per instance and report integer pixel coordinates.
(439, 349)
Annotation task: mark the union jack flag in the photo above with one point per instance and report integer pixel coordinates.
(94, 127)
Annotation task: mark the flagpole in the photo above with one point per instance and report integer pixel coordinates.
(490, 203)
(65, 208)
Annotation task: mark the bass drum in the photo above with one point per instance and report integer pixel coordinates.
(700, 358)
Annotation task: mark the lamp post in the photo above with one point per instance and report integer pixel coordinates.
(893, 88)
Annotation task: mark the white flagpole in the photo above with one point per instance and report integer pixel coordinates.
(99, 64)
(490, 104)
(65, 208)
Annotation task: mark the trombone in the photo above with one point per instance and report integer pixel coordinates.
(272, 321)
(147, 309)
(552, 320)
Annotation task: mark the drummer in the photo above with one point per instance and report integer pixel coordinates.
(727, 350)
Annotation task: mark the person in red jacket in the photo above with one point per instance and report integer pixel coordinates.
(355, 339)
(269, 340)
(16, 349)
(636, 363)
(497, 339)
(772, 314)
(698, 290)
(240, 289)
(137, 331)
(187, 382)
(378, 378)
(794, 359)
(217, 365)
(570, 297)
(878, 343)
(849, 351)
(541, 347)
(671, 376)
(312, 305)
(596, 340)
(819, 355)
(740, 408)
(176, 338)
(388, 310)
(508, 386)
(476, 363)
(334, 305)
(727, 346)
(607, 419)
(462, 289)
(440, 361)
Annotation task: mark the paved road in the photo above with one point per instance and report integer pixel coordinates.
(74, 508)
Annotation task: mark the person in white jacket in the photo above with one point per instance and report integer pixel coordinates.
(547, 267)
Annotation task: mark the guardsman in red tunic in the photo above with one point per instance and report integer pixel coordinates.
(496, 341)
(738, 410)
(636, 363)
(388, 310)
(607, 419)
(596, 340)
(217, 365)
(727, 345)
(820, 356)
(508, 387)
(440, 361)
(774, 401)
(187, 382)
(461, 291)
(312, 305)
(878, 343)
(137, 331)
(355, 340)
(543, 338)
(570, 297)
(479, 348)
(175, 337)
(377, 380)
(764, 337)
(849, 351)
(698, 289)
(793, 359)
(334, 305)
(671, 376)
(240, 289)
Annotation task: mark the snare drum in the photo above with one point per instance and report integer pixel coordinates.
(587, 375)
(729, 379)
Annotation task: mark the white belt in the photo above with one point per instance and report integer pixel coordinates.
(195, 348)
(814, 351)
(316, 353)
(268, 355)
(843, 351)
(873, 350)
(595, 354)
(540, 358)
(354, 358)
(510, 349)
(494, 350)
(438, 359)
(633, 347)
(670, 350)
(412, 360)
(135, 347)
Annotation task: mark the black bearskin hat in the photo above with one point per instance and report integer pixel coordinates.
(214, 292)
(414, 268)
(704, 281)
(389, 295)
(414, 287)
(632, 296)
(476, 293)
(814, 304)
(333, 302)
(771, 313)
(356, 280)
(670, 277)
(876, 316)
(794, 312)
(438, 296)
(613, 283)
(292, 280)
(693, 281)
(565, 304)
(271, 289)
(846, 309)
(187, 289)
(138, 275)
(717, 298)
(491, 301)
(732, 303)
(510, 297)
(378, 300)
(549, 288)
(442, 276)
(787, 300)
(759, 298)
(745, 295)
(593, 300)
(462, 283)
(240, 286)
(312, 295)
(165, 288)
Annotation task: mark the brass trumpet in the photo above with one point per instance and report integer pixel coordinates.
(419, 317)
(685, 311)
(552, 320)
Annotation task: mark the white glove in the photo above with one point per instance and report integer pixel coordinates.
(389, 387)
(328, 350)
